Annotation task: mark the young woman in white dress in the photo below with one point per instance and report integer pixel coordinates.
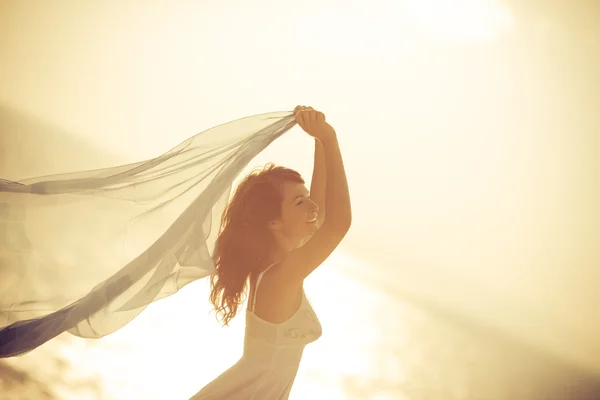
(274, 233)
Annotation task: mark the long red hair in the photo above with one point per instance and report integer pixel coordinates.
(245, 240)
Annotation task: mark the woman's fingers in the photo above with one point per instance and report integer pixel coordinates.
(308, 118)
(300, 117)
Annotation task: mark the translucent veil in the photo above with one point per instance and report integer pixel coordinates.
(86, 252)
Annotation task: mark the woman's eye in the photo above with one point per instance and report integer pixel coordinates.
(300, 202)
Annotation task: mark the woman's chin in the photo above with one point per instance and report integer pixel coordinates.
(313, 226)
(306, 239)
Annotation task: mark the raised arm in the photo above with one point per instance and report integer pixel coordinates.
(301, 262)
(318, 181)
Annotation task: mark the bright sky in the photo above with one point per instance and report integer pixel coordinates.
(455, 171)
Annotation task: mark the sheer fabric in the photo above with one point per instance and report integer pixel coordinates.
(86, 252)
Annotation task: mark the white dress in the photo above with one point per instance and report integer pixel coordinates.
(271, 357)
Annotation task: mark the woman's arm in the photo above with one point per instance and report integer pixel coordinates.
(337, 195)
(318, 181)
(301, 262)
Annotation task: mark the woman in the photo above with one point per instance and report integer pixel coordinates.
(274, 234)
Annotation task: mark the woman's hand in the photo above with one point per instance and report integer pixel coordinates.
(313, 122)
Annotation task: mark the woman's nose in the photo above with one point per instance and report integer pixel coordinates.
(314, 207)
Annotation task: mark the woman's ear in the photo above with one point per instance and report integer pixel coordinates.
(274, 225)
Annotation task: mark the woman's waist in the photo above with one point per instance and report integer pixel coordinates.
(273, 353)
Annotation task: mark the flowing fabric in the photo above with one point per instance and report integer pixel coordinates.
(86, 252)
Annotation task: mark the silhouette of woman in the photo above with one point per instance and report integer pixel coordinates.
(273, 235)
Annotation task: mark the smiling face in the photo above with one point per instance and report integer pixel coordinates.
(298, 220)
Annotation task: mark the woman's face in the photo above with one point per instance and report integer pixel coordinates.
(298, 221)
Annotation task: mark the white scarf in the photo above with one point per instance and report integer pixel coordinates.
(101, 245)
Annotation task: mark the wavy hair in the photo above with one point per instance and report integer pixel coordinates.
(245, 241)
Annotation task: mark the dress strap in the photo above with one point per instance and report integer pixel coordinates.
(257, 283)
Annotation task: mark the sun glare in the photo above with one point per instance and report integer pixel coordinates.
(462, 20)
